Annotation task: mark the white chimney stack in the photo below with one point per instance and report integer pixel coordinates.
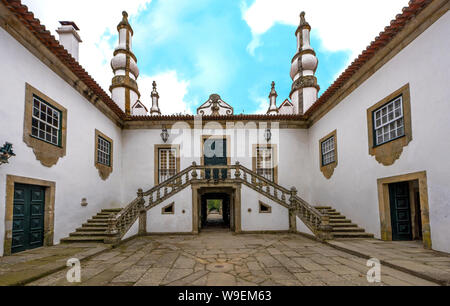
(69, 38)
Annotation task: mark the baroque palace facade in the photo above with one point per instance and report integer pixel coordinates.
(365, 159)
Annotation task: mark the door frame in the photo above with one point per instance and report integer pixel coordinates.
(202, 144)
(49, 210)
(385, 210)
(235, 203)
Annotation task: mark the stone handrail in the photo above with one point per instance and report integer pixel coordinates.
(317, 222)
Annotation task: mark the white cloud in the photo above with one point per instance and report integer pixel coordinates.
(263, 105)
(171, 89)
(97, 20)
(341, 25)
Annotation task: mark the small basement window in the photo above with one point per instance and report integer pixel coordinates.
(169, 209)
(264, 208)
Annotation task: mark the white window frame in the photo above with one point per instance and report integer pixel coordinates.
(392, 128)
(161, 176)
(44, 125)
(267, 169)
(328, 151)
(103, 151)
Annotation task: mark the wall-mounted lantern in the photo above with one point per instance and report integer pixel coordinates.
(268, 135)
(165, 135)
(84, 202)
(6, 152)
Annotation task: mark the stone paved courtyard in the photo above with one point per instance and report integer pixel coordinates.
(221, 258)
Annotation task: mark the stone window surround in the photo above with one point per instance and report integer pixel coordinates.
(103, 170)
(206, 137)
(49, 210)
(48, 154)
(384, 205)
(156, 159)
(387, 153)
(269, 208)
(274, 148)
(328, 170)
(163, 210)
(232, 189)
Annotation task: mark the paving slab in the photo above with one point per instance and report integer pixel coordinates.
(224, 259)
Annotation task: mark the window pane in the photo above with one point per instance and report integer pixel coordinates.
(45, 122)
(391, 124)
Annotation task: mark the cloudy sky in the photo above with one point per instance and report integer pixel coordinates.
(235, 48)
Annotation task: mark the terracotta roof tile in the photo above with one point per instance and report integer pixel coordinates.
(226, 117)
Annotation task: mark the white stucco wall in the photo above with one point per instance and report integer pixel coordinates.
(133, 231)
(352, 189)
(277, 220)
(75, 174)
(178, 222)
(302, 228)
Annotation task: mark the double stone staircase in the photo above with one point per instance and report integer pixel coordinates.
(110, 225)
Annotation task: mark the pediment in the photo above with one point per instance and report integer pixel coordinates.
(215, 106)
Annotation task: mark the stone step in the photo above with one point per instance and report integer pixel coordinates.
(334, 213)
(343, 225)
(351, 235)
(337, 217)
(340, 220)
(103, 221)
(348, 229)
(107, 214)
(91, 228)
(323, 207)
(112, 210)
(101, 217)
(87, 234)
(95, 224)
(84, 239)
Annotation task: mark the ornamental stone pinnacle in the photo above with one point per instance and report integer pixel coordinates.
(273, 101)
(155, 111)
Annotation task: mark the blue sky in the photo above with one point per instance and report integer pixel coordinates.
(209, 47)
(235, 48)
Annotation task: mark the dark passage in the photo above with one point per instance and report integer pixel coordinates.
(215, 211)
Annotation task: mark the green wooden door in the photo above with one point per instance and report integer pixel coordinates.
(28, 217)
(215, 154)
(400, 211)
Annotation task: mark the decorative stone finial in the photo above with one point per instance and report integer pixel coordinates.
(273, 100)
(155, 101)
(273, 92)
(303, 22)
